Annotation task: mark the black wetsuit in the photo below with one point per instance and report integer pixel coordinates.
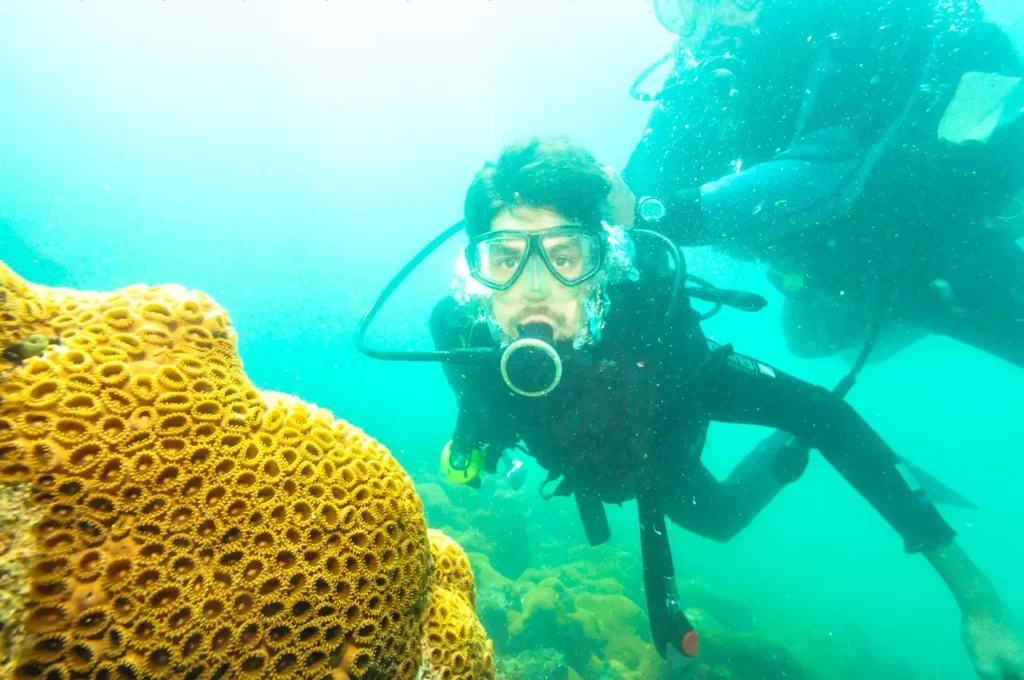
(585, 433)
(914, 247)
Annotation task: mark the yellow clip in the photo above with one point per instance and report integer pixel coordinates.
(793, 282)
(457, 476)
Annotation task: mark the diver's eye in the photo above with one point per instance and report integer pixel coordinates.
(508, 262)
(562, 262)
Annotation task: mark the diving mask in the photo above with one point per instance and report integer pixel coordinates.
(705, 55)
(686, 18)
(571, 252)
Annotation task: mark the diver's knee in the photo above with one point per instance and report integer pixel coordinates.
(717, 528)
(805, 343)
(814, 331)
(830, 407)
(724, 530)
(721, 536)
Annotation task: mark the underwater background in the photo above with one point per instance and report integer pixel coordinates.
(289, 159)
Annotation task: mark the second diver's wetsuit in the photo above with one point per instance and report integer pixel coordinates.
(773, 172)
(580, 431)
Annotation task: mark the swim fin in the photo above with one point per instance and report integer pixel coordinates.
(937, 491)
(982, 103)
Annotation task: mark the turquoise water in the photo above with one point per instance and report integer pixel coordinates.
(289, 161)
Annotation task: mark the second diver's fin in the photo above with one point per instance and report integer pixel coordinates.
(937, 491)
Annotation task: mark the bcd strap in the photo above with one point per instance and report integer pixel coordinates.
(674, 637)
(592, 513)
(669, 626)
(594, 518)
(563, 488)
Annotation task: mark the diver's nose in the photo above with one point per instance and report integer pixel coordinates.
(536, 282)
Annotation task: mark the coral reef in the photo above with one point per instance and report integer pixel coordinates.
(490, 520)
(728, 654)
(601, 633)
(536, 664)
(160, 516)
(496, 597)
(452, 569)
(835, 648)
(574, 620)
(455, 643)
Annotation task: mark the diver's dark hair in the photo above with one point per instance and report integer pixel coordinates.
(540, 172)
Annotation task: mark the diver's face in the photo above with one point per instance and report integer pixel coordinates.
(537, 296)
(710, 25)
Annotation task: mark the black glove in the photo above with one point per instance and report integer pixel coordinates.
(790, 457)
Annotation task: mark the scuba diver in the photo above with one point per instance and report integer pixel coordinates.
(576, 341)
(870, 153)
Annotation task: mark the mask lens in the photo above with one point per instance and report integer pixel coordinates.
(497, 261)
(572, 256)
(677, 16)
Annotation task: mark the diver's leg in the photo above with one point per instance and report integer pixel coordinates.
(979, 298)
(720, 510)
(815, 327)
(892, 339)
(743, 390)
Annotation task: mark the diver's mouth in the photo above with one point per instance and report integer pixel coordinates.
(538, 314)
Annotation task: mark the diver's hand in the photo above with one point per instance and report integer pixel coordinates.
(994, 646)
(622, 199)
(789, 458)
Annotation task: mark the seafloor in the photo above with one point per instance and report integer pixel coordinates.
(557, 608)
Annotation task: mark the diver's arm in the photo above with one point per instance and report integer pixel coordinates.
(770, 199)
(762, 197)
(477, 427)
(445, 332)
(802, 187)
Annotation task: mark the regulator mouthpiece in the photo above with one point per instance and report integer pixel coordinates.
(530, 365)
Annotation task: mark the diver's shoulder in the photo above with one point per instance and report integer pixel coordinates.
(444, 307)
(455, 323)
(446, 319)
(443, 311)
(641, 303)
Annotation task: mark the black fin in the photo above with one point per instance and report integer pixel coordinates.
(937, 491)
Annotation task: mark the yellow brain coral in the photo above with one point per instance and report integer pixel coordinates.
(452, 569)
(159, 516)
(455, 644)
